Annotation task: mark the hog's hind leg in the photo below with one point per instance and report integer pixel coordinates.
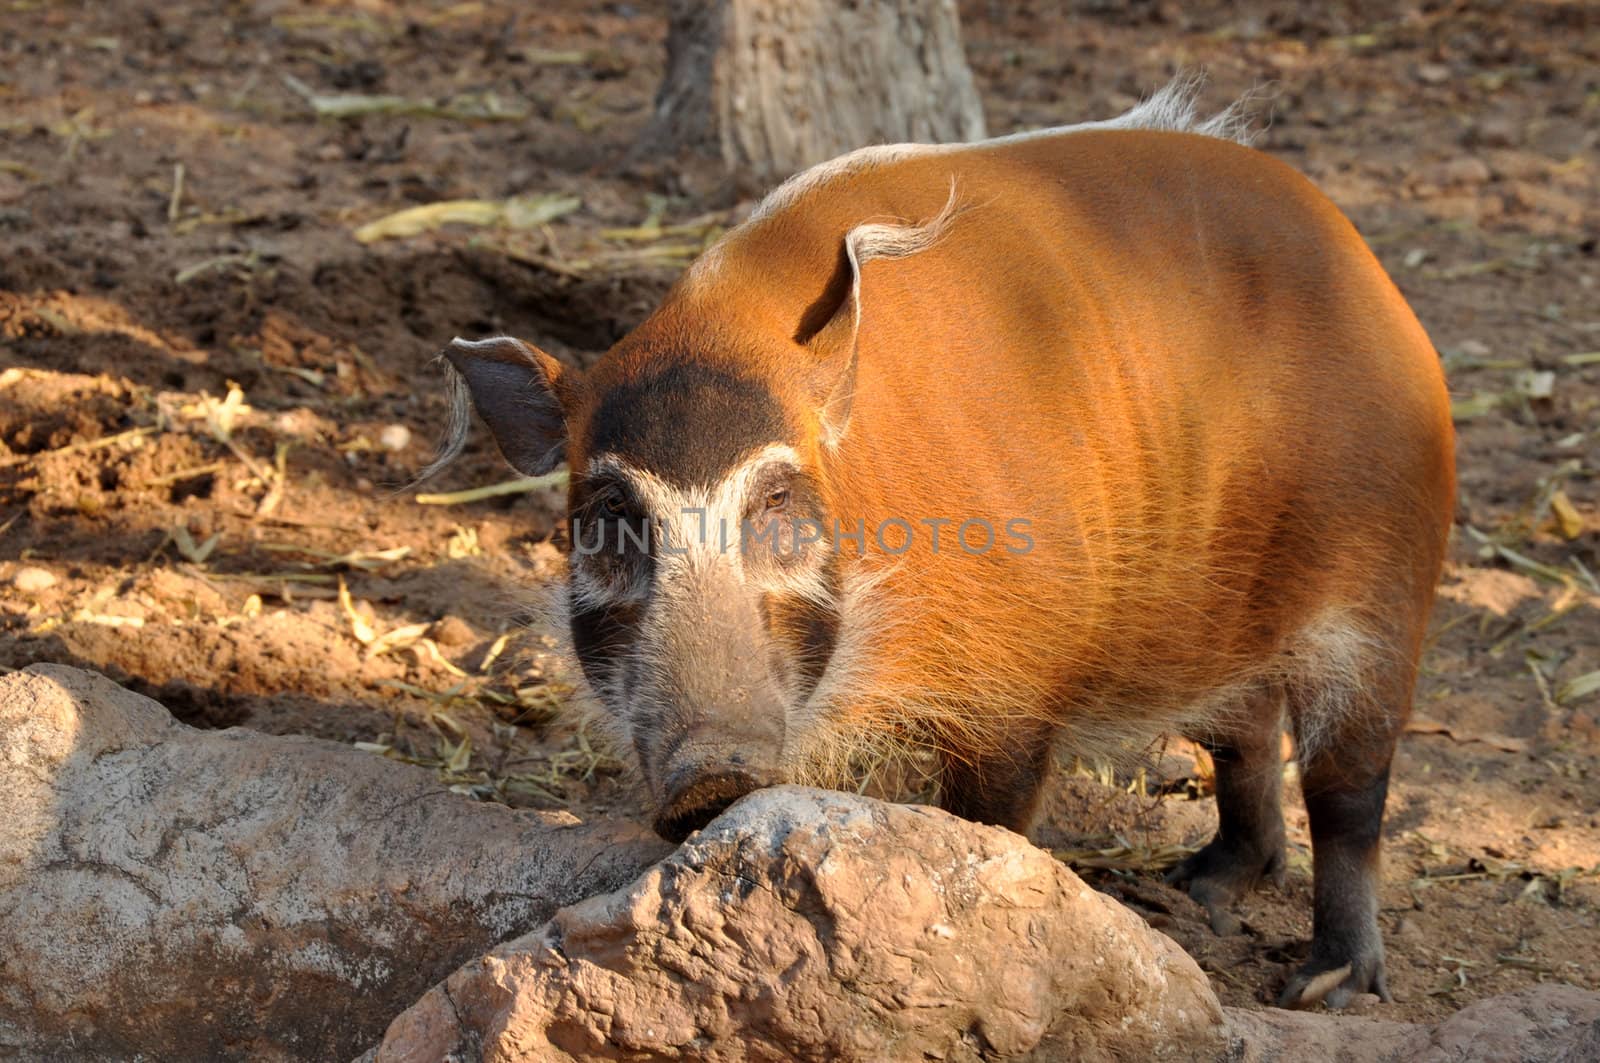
(1248, 846)
(1346, 729)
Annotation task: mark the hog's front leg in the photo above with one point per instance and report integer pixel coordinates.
(998, 788)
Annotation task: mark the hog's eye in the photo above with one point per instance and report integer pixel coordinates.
(777, 499)
(614, 504)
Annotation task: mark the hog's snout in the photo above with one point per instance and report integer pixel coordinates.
(700, 797)
(710, 719)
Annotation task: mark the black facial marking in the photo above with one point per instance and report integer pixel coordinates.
(609, 533)
(688, 423)
(806, 631)
(601, 637)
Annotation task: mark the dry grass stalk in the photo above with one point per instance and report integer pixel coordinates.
(507, 487)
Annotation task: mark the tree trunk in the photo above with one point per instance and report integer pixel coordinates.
(773, 86)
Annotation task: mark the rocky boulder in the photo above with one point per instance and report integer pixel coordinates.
(806, 925)
(810, 925)
(177, 894)
(173, 893)
(1543, 1024)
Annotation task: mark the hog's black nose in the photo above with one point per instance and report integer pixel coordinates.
(703, 800)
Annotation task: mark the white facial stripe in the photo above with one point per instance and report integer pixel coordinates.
(591, 592)
(703, 525)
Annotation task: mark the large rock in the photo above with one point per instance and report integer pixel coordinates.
(1542, 1024)
(803, 925)
(175, 894)
(808, 925)
(178, 894)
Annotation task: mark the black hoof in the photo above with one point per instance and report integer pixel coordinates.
(1335, 981)
(1219, 875)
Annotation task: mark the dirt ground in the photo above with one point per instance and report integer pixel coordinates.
(212, 394)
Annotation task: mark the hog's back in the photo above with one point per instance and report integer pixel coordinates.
(1181, 366)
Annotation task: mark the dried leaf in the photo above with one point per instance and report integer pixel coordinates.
(456, 757)
(220, 415)
(486, 106)
(399, 638)
(652, 231)
(278, 481)
(21, 169)
(1505, 743)
(548, 57)
(1532, 567)
(1535, 383)
(415, 220)
(530, 212)
(358, 624)
(1581, 687)
(191, 552)
(106, 620)
(365, 560)
(1568, 521)
(439, 716)
(357, 22)
(470, 9)
(494, 653)
(520, 212)
(1480, 404)
(463, 543)
(1126, 857)
(247, 260)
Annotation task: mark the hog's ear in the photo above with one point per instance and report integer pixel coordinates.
(831, 326)
(829, 332)
(520, 392)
